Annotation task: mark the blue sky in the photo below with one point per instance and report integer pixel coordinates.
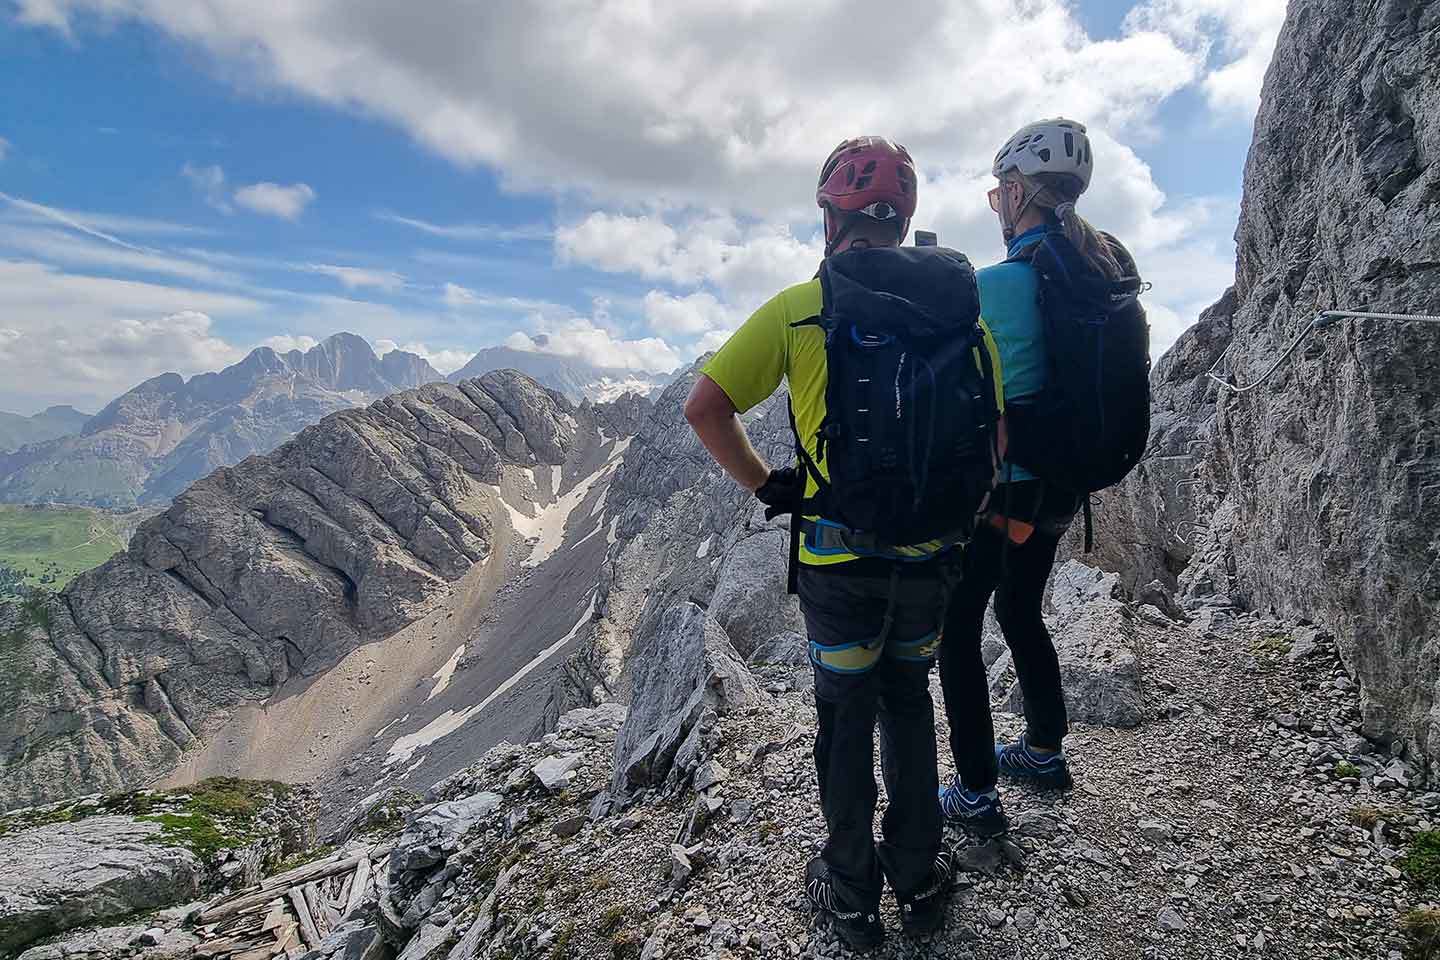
(180, 182)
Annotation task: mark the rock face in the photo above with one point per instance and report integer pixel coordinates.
(1313, 495)
(72, 874)
(260, 571)
(684, 666)
(152, 442)
(1096, 641)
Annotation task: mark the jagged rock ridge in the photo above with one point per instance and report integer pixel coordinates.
(263, 570)
(151, 442)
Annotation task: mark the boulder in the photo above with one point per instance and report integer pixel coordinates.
(750, 599)
(683, 666)
(1094, 636)
(67, 875)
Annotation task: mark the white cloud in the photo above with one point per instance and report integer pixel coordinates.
(285, 342)
(747, 264)
(457, 296)
(83, 339)
(594, 340)
(1235, 38)
(209, 182)
(58, 247)
(274, 200)
(685, 107)
(493, 232)
(445, 360)
(687, 316)
(358, 278)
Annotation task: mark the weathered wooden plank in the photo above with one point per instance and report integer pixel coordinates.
(240, 903)
(342, 896)
(308, 931)
(312, 871)
(317, 908)
(286, 937)
(276, 918)
(359, 884)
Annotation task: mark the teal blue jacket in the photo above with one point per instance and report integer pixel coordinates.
(1009, 304)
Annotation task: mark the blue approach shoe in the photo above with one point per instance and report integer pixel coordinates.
(1024, 762)
(980, 814)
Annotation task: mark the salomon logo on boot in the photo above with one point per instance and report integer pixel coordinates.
(923, 913)
(860, 929)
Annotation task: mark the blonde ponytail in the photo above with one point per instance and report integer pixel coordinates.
(1054, 193)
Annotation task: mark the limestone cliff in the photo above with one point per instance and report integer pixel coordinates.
(261, 571)
(1314, 496)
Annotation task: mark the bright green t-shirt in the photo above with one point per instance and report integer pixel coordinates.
(768, 349)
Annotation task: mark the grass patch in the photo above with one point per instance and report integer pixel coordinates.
(626, 943)
(613, 916)
(1277, 644)
(1421, 863)
(560, 949)
(1367, 816)
(1345, 769)
(50, 546)
(1421, 928)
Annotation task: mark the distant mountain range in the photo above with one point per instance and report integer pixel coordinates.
(157, 439)
(48, 424)
(575, 378)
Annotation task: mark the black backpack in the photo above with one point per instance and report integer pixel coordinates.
(908, 439)
(1088, 427)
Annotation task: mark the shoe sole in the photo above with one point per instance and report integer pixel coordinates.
(856, 942)
(1053, 781)
(984, 828)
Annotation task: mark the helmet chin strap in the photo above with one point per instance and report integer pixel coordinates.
(1007, 224)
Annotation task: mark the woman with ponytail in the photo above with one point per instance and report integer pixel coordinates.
(1042, 171)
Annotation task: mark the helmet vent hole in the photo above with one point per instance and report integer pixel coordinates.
(869, 167)
(862, 183)
(1069, 144)
(1044, 153)
(850, 175)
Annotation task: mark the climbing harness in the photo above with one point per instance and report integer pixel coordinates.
(1321, 321)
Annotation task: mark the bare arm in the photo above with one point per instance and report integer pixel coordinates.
(714, 420)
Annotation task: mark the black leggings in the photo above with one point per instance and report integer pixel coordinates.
(1017, 578)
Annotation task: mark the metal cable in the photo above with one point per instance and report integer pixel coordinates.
(1321, 320)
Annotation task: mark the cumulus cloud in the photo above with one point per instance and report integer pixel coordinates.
(80, 339)
(285, 342)
(595, 340)
(683, 108)
(1236, 38)
(445, 360)
(357, 278)
(274, 200)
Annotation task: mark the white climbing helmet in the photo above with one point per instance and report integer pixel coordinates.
(1049, 146)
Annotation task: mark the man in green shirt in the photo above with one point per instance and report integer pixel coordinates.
(872, 633)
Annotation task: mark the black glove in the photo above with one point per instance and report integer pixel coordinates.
(781, 492)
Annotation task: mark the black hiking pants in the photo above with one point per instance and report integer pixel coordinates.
(1017, 578)
(855, 685)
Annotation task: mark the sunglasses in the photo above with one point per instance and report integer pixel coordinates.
(994, 195)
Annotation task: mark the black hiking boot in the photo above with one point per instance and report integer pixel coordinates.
(861, 930)
(923, 913)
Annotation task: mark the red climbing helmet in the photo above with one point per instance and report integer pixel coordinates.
(870, 176)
